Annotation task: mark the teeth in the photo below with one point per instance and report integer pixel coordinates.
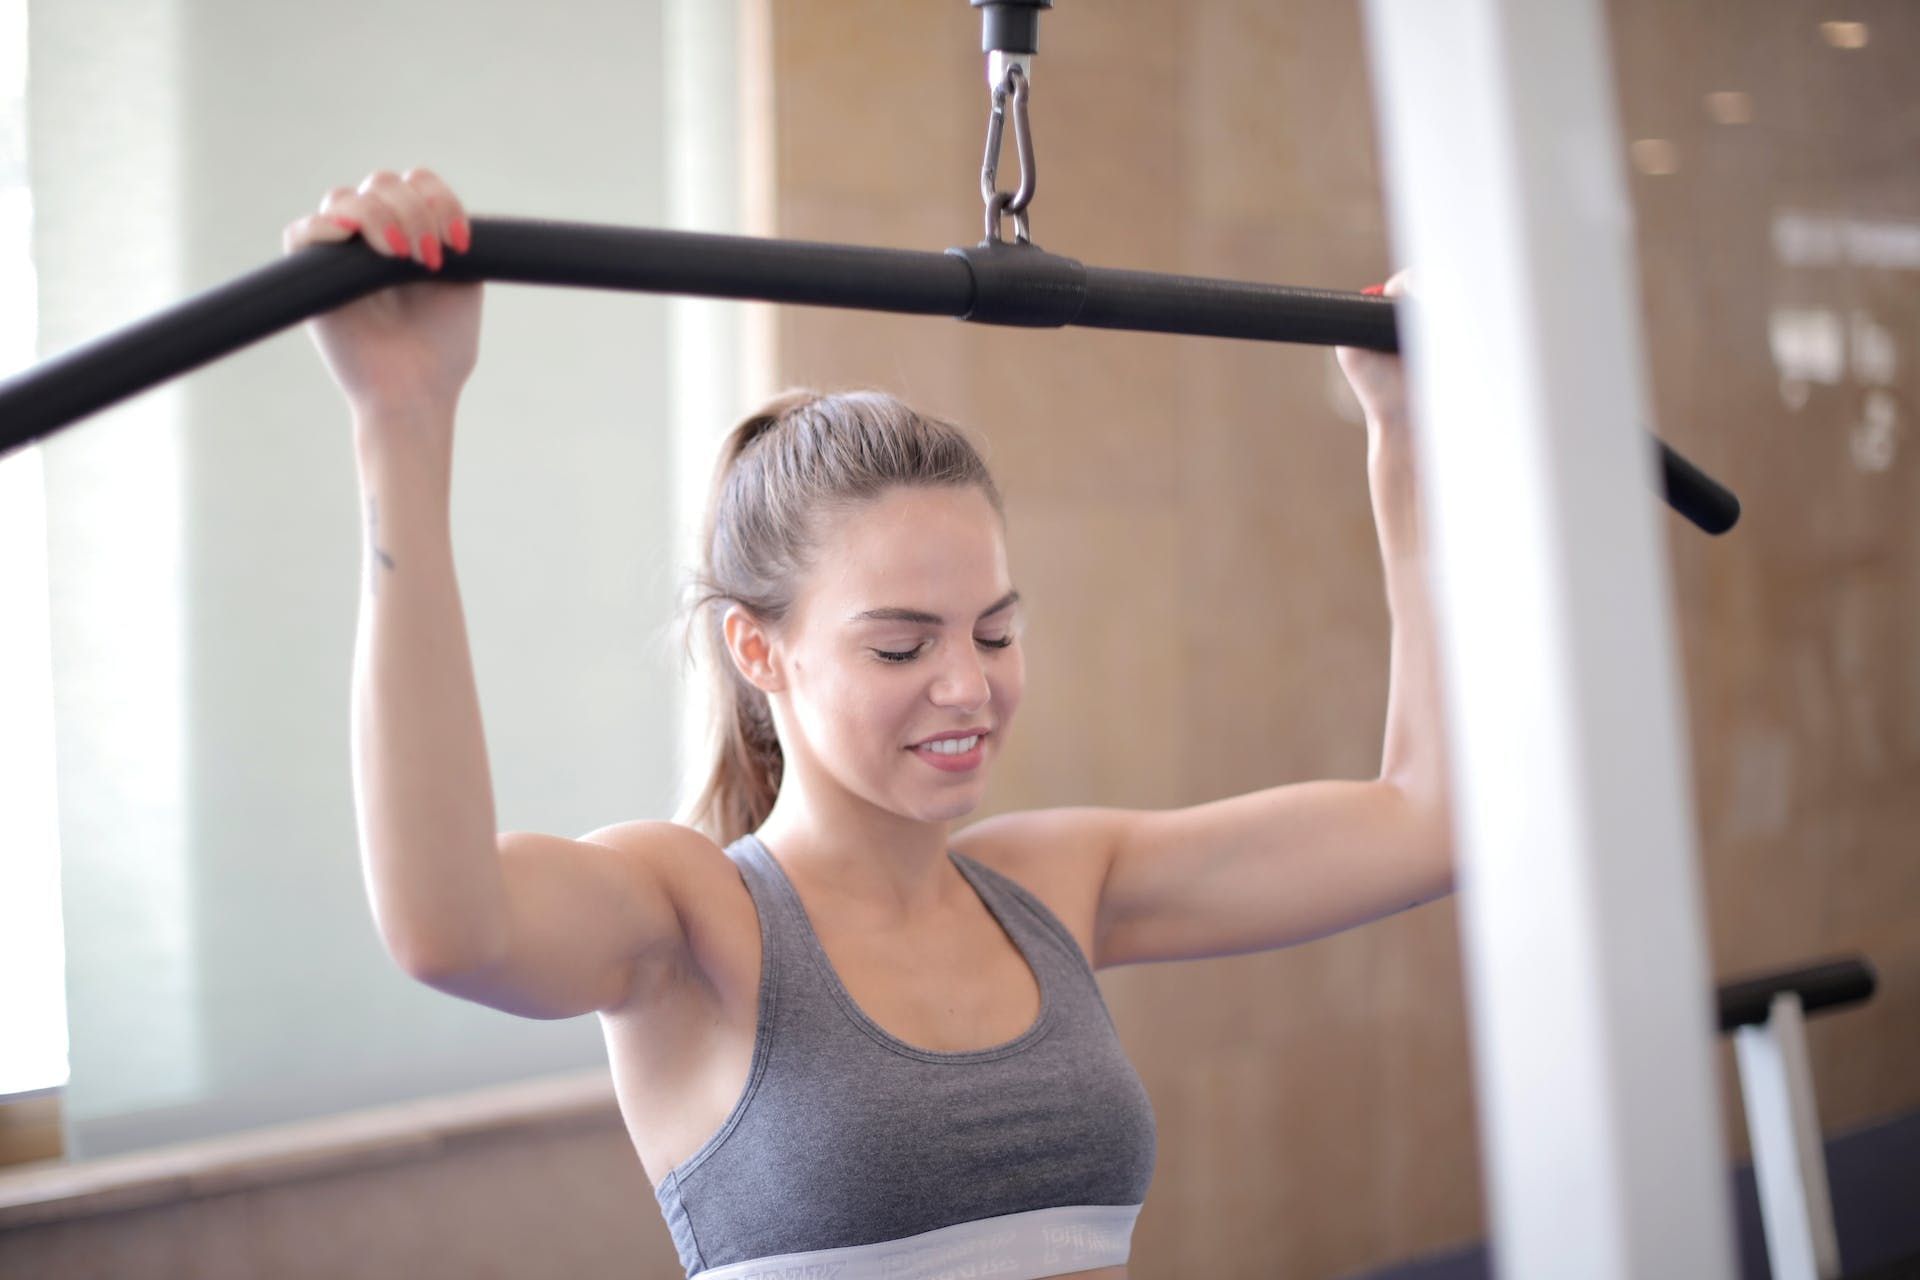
(952, 746)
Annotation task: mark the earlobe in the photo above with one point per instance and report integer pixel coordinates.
(762, 674)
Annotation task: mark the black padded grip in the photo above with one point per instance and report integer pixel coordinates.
(1007, 284)
(1695, 494)
(1829, 984)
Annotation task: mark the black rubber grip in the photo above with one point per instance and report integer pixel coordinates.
(1827, 984)
(1697, 495)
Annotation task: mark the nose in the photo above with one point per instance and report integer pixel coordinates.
(962, 680)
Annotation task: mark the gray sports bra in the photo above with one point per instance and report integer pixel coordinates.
(851, 1154)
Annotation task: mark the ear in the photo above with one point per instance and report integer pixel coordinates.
(752, 648)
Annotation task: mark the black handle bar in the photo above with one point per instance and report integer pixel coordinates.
(997, 284)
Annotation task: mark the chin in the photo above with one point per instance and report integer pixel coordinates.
(951, 808)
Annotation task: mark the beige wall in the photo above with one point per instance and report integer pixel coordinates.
(1801, 630)
(1190, 522)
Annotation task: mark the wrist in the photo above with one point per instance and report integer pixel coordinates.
(402, 411)
(1389, 420)
(405, 426)
(1389, 451)
(389, 460)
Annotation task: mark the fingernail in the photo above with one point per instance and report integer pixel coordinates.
(348, 224)
(397, 239)
(461, 235)
(430, 252)
(1377, 290)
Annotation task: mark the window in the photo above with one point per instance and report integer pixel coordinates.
(202, 541)
(33, 1024)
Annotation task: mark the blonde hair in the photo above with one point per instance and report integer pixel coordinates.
(800, 458)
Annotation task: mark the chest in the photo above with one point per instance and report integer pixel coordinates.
(683, 1053)
(951, 987)
(964, 1067)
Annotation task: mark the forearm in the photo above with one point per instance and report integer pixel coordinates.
(1413, 750)
(423, 793)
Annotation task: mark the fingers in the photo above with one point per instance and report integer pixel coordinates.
(449, 215)
(412, 216)
(1356, 362)
(407, 222)
(315, 228)
(1400, 286)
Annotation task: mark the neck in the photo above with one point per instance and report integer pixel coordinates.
(860, 853)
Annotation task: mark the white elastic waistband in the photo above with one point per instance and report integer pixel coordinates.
(1016, 1246)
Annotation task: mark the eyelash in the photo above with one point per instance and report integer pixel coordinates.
(886, 655)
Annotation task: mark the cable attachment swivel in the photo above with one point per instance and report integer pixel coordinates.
(1009, 36)
(1000, 203)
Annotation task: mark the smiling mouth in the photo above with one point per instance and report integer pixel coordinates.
(932, 744)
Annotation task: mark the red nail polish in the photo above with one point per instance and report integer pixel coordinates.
(461, 235)
(397, 239)
(430, 252)
(346, 224)
(1377, 290)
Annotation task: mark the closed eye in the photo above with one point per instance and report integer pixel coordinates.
(887, 656)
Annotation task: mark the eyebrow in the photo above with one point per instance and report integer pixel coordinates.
(930, 619)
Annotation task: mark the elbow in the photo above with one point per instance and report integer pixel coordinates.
(1428, 814)
(1424, 792)
(1440, 844)
(435, 962)
(1438, 868)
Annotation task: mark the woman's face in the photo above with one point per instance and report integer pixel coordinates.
(905, 630)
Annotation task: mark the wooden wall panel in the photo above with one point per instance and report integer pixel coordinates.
(1189, 520)
(534, 1201)
(1802, 654)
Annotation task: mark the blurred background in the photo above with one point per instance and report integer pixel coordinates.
(190, 962)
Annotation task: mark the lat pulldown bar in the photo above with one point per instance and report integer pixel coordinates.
(993, 284)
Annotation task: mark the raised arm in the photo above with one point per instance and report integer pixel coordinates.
(1301, 860)
(538, 925)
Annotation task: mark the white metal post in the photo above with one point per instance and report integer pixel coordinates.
(1582, 930)
(1789, 1161)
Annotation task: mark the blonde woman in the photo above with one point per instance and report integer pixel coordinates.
(847, 1039)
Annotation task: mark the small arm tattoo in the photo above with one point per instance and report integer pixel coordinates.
(379, 557)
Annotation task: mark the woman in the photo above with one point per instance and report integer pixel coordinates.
(851, 1042)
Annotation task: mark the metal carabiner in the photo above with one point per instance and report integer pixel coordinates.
(1000, 202)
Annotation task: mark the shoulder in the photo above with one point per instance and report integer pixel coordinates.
(1060, 856)
(675, 856)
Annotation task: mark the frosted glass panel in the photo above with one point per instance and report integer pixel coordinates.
(205, 539)
(33, 1050)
